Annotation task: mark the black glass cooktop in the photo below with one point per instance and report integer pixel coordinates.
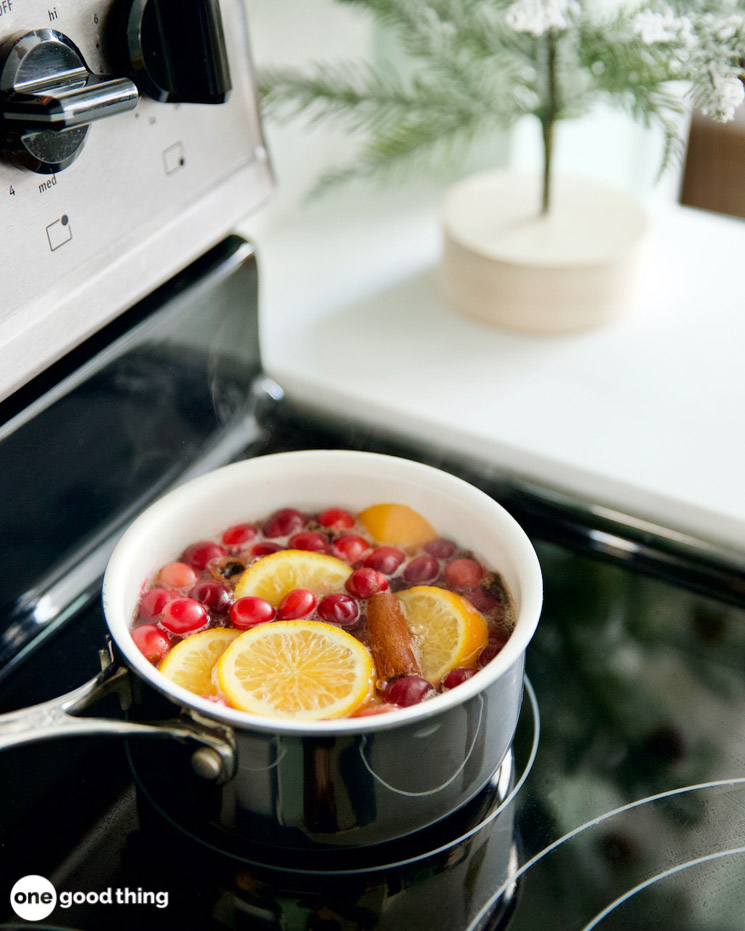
(626, 793)
(631, 814)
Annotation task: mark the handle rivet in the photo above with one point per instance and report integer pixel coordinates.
(206, 763)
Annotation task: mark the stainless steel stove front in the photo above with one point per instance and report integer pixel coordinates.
(130, 143)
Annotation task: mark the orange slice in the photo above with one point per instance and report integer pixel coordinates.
(273, 576)
(296, 669)
(446, 630)
(396, 524)
(190, 662)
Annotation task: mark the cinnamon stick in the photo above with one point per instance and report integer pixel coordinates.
(390, 641)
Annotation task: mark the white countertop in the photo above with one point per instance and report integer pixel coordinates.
(645, 416)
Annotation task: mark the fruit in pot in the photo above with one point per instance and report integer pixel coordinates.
(249, 611)
(199, 554)
(296, 604)
(407, 690)
(305, 670)
(153, 602)
(265, 548)
(351, 548)
(151, 642)
(451, 632)
(336, 519)
(421, 638)
(213, 595)
(422, 569)
(277, 574)
(458, 676)
(239, 534)
(177, 575)
(385, 559)
(190, 662)
(283, 523)
(309, 540)
(366, 582)
(440, 548)
(463, 573)
(184, 615)
(339, 609)
(397, 524)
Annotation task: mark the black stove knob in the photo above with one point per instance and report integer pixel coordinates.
(48, 97)
(177, 50)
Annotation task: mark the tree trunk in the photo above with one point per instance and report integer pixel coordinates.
(547, 129)
(548, 120)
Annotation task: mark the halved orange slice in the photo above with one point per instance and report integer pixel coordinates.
(396, 524)
(273, 576)
(446, 630)
(190, 662)
(305, 670)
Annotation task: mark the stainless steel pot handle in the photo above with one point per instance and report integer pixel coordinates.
(213, 759)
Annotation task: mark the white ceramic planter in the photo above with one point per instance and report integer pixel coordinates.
(574, 269)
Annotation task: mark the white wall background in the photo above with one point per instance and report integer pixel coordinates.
(293, 33)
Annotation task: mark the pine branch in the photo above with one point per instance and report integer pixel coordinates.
(477, 68)
(636, 77)
(454, 37)
(411, 145)
(371, 99)
(357, 94)
(470, 20)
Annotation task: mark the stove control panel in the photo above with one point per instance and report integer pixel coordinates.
(130, 142)
(177, 50)
(48, 97)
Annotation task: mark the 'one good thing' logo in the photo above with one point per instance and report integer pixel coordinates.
(34, 898)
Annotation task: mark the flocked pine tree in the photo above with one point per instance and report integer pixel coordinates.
(483, 64)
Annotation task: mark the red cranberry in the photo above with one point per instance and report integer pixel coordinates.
(492, 649)
(184, 615)
(440, 549)
(407, 690)
(336, 519)
(213, 595)
(199, 554)
(339, 609)
(309, 540)
(499, 637)
(297, 603)
(351, 548)
(177, 575)
(264, 549)
(250, 611)
(153, 602)
(151, 642)
(457, 676)
(239, 534)
(422, 569)
(284, 522)
(385, 559)
(480, 600)
(463, 573)
(363, 583)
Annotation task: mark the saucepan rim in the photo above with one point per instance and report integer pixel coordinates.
(211, 484)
